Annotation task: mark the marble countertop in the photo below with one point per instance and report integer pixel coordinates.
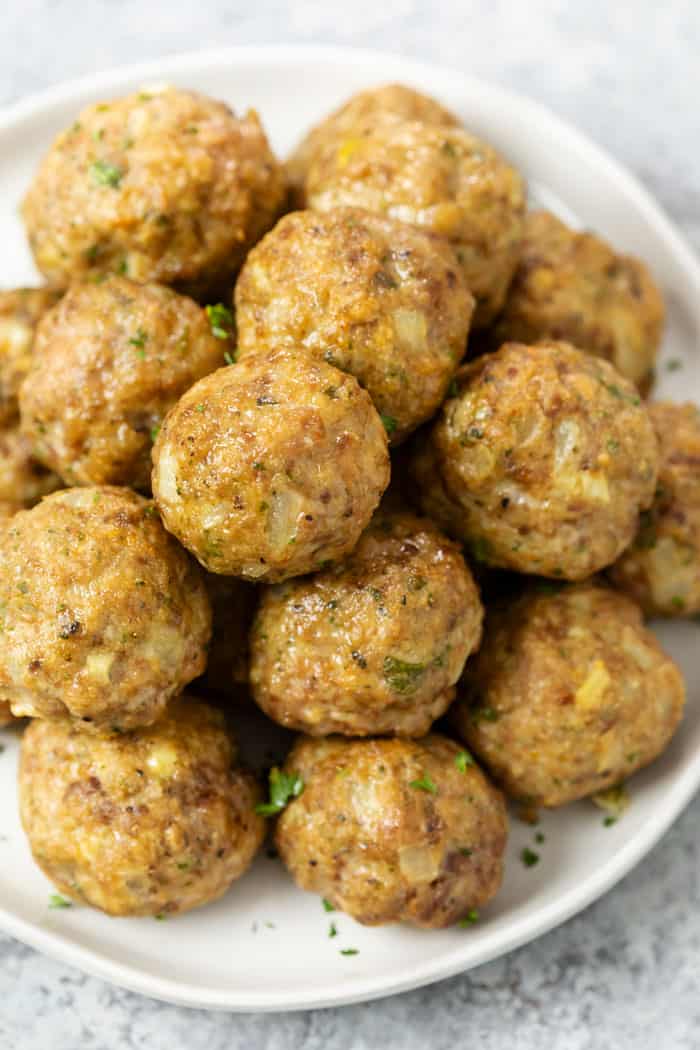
(625, 973)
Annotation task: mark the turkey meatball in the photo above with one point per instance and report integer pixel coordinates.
(20, 312)
(153, 822)
(104, 616)
(441, 179)
(109, 362)
(23, 479)
(393, 830)
(661, 570)
(269, 469)
(164, 185)
(568, 695)
(372, 296)
(571, 285)
(549, 456)
(373, 645)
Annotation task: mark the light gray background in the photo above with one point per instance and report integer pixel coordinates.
(626, 973)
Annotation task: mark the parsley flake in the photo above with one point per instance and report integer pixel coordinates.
(283, 788)
(463, 761)
(221, 320)
(469, 919)
(402, 676)
(426, 783)
(390, 424)
(332, 930)
(349, 951)
(327, 906)
(104, 174)
(529, 857)
(56, 901)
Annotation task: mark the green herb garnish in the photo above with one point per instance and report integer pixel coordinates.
(104, 174)
(349, 951)
(283, 788)
(220, 319)
(56, 901)
(463, 761)
(469, 919)
(402, 676)
(426, 783)
(327, 906)
(529, 857)
(390, 424)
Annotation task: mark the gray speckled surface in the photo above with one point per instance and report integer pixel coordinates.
(626, 973)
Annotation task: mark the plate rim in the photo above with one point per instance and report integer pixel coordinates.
(60, 947)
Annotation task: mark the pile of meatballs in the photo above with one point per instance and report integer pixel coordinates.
(271, 435)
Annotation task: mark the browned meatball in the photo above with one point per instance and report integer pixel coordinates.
(393, 830)
(372, 296)
(373, 645)
(153, 822)
(6, 716)
(568, 695)
(548, 456)
(271, 468)
(23, 480)
(571, 285)
(20, 312)
(164, 185)
(104, 616)
(361, 112)
(441, 179)
(110, 360)
(233, 604)
(661, 570)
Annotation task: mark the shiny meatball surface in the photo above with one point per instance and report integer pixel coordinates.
(164, 185)
(661, 569)
(549, 455)
(153, 822)
(362, 112)
(270, 468)
(568, 695)
(20, 312)
(23, 479)
(110, 360)
(373, 645)
(441, 179)
(393, 830)
(572, 285)
(104, 616)
(372, 296)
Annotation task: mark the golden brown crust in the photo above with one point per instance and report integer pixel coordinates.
(104, 616)
(163, 185)
(110, 360)
(20, 311)
(571, 285)
(661, 569)
(374, 297)
(549, 456)
(375, 845)
(568, 695)
(374, 645)
(23, 479)
(270, 468)
(441, 179)
(153, 822)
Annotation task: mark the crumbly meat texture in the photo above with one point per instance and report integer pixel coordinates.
(109, 362)
(441, 179)
(163, 185)
(23, 479)
(569, 694)
(572, 285)
(661, 569)
(366, 836)
(104, 617)
(269, 469)
(549, 455)
(373, 296)
(20, 311)
(153, 822)
(361, 112)
(233, 604)
(374, 645)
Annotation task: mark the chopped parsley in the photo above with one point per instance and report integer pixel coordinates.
(332, 930)
(155, 431)
(539, 837)
(390, 424)
(56, 901)
(349, 951)
(327, 906)
(140, 339)
(674, 364)
(426, 783)
(199, 408)
(283, 788)
(104, 174)
(463, 761)
(453, 389)
(469, 919)
(229, 358)
(402, 676)
(529, 857)
(221, 320)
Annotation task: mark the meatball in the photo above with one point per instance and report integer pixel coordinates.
(271, 468)
(233, 607)
(20, 312)
(372, 296)
(661, 570)
(569, 694)
(572, 285)
(373, 645)
(6, 716)
(164, 185)
(441, 179)
(153, 822)
(362, 112)
(104, 616)
(110, 360)
(393, 830)
(23, 480)
(549, 456)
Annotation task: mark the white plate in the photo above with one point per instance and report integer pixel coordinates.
(266, 945)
